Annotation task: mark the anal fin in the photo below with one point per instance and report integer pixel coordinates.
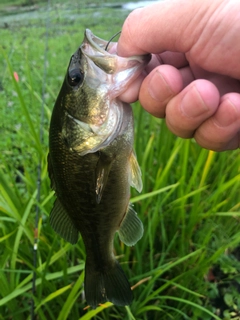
(62, 223)
(131, 228)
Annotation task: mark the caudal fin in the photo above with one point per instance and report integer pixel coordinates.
(110, 285)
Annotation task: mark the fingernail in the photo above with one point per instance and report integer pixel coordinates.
(158, 87)
(227, 114)
(188, 107)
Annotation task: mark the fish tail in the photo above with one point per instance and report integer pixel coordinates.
(110, 285)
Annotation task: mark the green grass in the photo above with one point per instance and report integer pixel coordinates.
(189, 204)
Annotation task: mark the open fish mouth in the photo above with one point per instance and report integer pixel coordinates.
(94, 48)
(97, 43)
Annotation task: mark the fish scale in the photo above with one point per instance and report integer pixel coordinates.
(92, 164)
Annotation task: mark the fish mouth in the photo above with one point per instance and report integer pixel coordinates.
(94, 47)
(97, 43)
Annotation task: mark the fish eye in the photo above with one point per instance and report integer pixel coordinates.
(75, 77)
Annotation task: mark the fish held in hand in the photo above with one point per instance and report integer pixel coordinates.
(92, 164)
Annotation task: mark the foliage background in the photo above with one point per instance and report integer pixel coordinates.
(186, 265)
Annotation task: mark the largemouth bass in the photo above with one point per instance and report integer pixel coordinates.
(92, 164)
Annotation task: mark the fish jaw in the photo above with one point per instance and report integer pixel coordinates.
(122, 71)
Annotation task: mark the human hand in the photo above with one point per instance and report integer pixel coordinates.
(193, 78)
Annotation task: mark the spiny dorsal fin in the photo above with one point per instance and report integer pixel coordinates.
(62, 224)
(135, 178)
(131, 228)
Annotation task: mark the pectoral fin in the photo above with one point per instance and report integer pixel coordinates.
(62, 224)
(102, 171)
(131, 228)
(135, 178)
